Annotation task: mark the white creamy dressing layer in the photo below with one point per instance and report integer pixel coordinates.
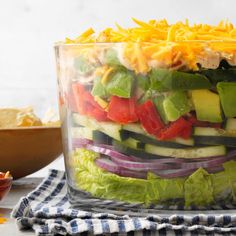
(209, 59)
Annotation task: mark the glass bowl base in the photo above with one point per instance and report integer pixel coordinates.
(82, 200)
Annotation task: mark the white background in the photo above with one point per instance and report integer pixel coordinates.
(28, 29)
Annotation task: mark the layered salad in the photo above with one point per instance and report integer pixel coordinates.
(149, 113)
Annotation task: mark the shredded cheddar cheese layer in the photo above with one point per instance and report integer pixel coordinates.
(158, 43)
(153, 31)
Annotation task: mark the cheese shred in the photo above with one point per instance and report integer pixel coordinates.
(105, 76)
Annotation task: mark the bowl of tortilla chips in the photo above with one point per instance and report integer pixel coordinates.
(27, 144)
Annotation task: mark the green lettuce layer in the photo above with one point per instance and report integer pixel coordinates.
(199, 189)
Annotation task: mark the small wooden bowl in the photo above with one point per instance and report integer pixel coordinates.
(25, 150)
(5, 185)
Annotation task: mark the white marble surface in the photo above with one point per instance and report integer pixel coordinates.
(28, 29)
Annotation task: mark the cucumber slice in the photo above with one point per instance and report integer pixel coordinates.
(133, 143)
(215, 140)
(80, 120)
(176, 143)
(213, 136)
(231, 125)
(110, 128)
(120, 147)
(137, 132)
(208, 131)
(136, 128)
(154, 152)
(185, 142)
(82, 132)
(101, 138)
(189, 153)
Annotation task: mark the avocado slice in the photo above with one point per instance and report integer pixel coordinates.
(207, 105)
(175, 105)
(164, 80)
(227, 92)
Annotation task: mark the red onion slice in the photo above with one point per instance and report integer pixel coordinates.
(107, 164)
(78, 142)
(142, 166)
(169, 174)
(109, 149)
(133, 174)
(110, 166)
(162, 167)
(127, 162)
(204, 164)
(174, 173)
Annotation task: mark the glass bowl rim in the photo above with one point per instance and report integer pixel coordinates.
(62, 43)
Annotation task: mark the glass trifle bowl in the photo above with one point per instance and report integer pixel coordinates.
(149, 125)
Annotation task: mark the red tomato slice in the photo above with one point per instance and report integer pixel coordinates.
(78, 91)
(178, 128)
(149, 118)
(186, 132)
(122, 110)
(86, 105)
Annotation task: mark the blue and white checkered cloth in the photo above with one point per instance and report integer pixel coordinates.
(47, 211)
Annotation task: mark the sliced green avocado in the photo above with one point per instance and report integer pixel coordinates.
(175, 105)
(164, 80)
(120, 84)
(207, 105)
(227, 92)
